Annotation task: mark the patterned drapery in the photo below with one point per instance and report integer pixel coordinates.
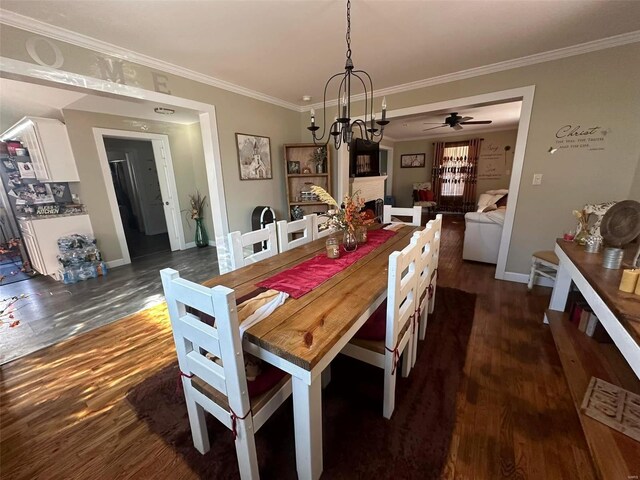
(436, 177)
(471, 180)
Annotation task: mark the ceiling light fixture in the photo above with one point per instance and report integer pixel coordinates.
(164, 111)
(306, 98)
(342, 127)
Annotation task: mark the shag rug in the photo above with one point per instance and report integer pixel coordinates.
(358, 442)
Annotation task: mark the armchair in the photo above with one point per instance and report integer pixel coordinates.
(423, 196)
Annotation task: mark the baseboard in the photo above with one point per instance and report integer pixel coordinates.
(212, 243)
(115, 263)
(189, 245)
(524, 278)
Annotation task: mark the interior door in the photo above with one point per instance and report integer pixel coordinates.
(167, 190)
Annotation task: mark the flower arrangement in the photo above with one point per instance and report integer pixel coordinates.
(583, 220)
(197, 205)
(349, 216)
(319, 155)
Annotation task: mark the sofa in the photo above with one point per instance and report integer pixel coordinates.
(483, 228)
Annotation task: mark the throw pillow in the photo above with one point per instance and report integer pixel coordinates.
(502, 202)
(490, 208)
(422, 195)
(429, 195)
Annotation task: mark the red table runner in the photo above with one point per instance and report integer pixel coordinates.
(304, 277)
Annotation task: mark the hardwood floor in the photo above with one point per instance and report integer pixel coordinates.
(64, 414)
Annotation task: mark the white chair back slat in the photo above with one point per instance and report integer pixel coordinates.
(207, 370)
(401, 296)
(318, 221)
(238, 242)
(199, 333)
(304, 226)
(437, 232)
(218, 302)
(414, 212)
(424, 240)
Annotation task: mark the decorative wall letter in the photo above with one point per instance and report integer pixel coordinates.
(111, 69)
(160, 83)
(32, 46)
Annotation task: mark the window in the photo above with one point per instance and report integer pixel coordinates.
(454, 170)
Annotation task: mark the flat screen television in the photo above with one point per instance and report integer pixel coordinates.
(364, 158)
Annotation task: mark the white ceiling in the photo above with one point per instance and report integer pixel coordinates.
(19, 99)
(287, 49)
(504, 116)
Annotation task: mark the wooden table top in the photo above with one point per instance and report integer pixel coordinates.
(303, 330)
(605, 281)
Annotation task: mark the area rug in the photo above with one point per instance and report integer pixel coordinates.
(358, 441)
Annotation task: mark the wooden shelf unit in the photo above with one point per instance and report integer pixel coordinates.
(614, 454)
(297, 182)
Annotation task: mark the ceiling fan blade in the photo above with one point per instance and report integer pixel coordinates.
(465, 119)
(457, 127)
(433, 128)
(477, 122)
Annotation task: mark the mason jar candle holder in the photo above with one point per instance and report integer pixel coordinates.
(333, 247)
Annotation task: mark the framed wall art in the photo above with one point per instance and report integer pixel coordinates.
(254, 157)
(412, 160)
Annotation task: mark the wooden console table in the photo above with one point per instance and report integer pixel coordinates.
(614, 455)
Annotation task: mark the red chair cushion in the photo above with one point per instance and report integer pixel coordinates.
(422, 195)
(429, 195)
(268, 378)
(375, 328)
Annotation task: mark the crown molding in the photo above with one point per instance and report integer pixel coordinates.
(560, 53)
(36, 26)
(51, 31)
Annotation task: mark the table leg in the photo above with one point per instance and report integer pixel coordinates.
(307, 413)
(560, 289)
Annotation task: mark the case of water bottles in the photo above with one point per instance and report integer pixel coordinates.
(79, 259)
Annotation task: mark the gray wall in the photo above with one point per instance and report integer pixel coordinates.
(404, 178)
(594, 89)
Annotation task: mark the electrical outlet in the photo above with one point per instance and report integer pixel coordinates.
(537, 179)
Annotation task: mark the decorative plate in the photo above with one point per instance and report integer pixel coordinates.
(621, 224)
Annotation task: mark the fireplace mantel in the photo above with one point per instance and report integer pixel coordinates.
(371, 188)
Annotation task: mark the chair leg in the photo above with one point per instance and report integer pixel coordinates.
(432, 300)
(389, 387)
(198, 423)
(532, 274)
(246, 450)
(422, 328)
(407, 358)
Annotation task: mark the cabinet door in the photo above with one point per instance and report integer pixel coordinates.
(34, 254)
(30, 138)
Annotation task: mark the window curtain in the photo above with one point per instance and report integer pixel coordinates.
(471, 180)
(436, 177)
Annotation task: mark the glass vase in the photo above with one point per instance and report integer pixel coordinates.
(581, 237)
(349, 241)
(202, 239)
(361, 235)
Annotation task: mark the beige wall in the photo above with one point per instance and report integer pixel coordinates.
(404, 178)
(234, 112)
(634, 192)
(593, 89)
(186, 154)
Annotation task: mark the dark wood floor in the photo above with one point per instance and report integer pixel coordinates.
(64, 414)
(54, 312)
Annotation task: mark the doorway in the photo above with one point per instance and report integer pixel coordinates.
(135, 180)
(141, 187)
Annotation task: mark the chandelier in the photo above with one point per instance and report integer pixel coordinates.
(343, 127)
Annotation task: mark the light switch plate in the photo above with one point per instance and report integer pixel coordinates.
(537, 179)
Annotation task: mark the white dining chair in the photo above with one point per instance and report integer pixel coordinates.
(437, 233)
(286, 229)
(266, 238)
(400, 308)
(414, 212)
(424, 240)
(319, 221)
(208, 386)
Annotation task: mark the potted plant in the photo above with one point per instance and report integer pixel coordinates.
(197, 213)
(319, 157)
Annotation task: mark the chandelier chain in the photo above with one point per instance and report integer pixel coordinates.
(348, 29)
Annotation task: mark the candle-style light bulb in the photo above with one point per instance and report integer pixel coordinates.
(384, 108)
(373, 121)
(344, 105)
(313, 117)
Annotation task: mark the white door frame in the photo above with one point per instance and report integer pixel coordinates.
(158, 141)
(523, 93)
(208, 127)
(389, 174)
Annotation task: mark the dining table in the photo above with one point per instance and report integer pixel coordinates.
(305, 334)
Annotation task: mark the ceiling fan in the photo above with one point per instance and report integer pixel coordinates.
(455, 121)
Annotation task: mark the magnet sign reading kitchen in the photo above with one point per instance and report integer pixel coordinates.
(571, 137)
